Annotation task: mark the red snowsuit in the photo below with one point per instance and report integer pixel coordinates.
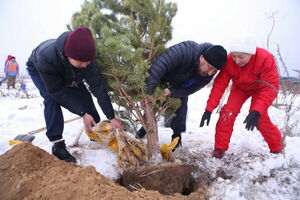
(259, 79)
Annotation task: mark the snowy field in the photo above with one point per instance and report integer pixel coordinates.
(254, 172)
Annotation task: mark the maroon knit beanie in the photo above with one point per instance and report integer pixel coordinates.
(80, 45)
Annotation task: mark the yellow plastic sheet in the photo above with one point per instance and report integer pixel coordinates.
(166, 149)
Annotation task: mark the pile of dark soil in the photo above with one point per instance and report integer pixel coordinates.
(28, 172)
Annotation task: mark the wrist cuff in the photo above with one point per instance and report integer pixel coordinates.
(81, 114)
(110, 117)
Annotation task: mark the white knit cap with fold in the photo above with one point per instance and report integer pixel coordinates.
(245, 45)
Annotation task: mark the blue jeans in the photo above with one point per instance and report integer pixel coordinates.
(52, 110)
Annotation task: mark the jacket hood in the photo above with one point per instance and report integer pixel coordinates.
(60, 43)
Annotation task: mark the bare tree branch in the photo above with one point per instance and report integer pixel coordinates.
(272, 28)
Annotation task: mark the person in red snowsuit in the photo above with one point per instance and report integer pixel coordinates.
(254, 74)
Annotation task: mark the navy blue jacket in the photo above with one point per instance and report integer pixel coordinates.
(177, 67)
(58, 75)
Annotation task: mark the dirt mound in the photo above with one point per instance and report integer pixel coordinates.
(28, 172)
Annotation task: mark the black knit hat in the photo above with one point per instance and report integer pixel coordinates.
(216, 56)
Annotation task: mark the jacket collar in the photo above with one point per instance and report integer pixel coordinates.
(60, 44)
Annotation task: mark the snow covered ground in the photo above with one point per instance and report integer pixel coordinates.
(254, 172)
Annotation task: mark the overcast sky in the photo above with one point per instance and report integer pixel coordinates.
(26, 23)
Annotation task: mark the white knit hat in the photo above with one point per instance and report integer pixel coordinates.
(245, 45)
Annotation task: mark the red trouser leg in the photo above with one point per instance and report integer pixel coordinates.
(269, 131)
(227, 117)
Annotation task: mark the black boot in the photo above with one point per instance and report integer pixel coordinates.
(175, 134)
(60, 151)
(141, 133)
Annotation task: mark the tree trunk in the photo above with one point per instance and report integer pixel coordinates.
(152, 135)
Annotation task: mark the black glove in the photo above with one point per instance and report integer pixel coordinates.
(252, 120)
(205, 116)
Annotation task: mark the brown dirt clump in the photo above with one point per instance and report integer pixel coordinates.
(28, 172)
(167, 179)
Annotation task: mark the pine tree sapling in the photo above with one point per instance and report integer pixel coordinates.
(129, 34)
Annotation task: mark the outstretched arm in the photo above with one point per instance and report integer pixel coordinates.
(220, 84)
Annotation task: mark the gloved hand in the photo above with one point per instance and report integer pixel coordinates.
(252, 120)
(205, 117)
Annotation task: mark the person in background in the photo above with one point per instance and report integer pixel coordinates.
(7, 59)
(11, 71)
(186, 67)
(5, 78)
(57, 68)
(254, 74)
(23, 85)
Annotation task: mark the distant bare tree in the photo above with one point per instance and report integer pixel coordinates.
(272, 17)
(288, 93)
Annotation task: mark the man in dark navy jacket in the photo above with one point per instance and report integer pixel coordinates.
(186, 67)
(58, 68)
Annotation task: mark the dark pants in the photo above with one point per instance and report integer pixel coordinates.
(178, 123)
(52, 111)
(11, 81)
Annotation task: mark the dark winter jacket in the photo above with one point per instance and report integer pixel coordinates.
(177, 67)
(59, 75)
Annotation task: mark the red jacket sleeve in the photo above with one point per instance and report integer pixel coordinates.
(269, 85)
(219, 86)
